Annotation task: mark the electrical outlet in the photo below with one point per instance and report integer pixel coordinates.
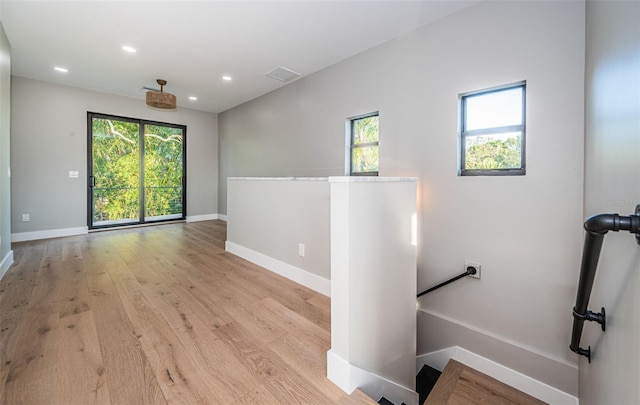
(474, 265)
(26, 218)
(301, 249)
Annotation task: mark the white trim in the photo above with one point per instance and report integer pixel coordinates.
(204, 217)
(526, 384)
(349, 377)
(371, 179)
(51, 233)
(163, 217)
(6, 263)
(222, 217)
(500, 338)
(117, 222)
(338, 372)
(279, 178)
(300, 276)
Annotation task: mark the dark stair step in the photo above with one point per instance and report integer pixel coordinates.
(425, 380)
(385, 401)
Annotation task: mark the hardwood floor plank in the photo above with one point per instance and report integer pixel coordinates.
(15, 289)
(31, 377)
(129, 376)
(80, 378)
(71, 249)
(294, 299)
(74, 295)
(180, 379)
(257, 327)
(259, 396)
(310, 359)
(272, 312)
(322, 302)
(284, 383)
(231, 377)
(462, 385)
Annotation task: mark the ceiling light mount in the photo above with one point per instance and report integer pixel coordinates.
(161, 99)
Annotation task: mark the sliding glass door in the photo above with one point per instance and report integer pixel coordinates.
(136, 171)
(163, 172)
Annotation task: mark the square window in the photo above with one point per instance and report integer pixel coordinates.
(363, 152)
(492, 131)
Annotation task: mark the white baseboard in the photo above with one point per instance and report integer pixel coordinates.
(204, 217)
(6, 263)
(526, 384)
(51, 233)
(437, 331)
(300, 276)
(349, 377)
(222, 217)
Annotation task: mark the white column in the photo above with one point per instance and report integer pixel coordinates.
(373, 283)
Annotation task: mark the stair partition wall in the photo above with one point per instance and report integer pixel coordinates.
(136, 171)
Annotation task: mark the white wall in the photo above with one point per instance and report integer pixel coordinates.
(373, 279)
(612, 185)
(6, 254)
(271, 217)
(49, 138)
(525, 231)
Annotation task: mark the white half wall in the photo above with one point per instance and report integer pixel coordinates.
(300, 276)
(271, 217)
(373, 276)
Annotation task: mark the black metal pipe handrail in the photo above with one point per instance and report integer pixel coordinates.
(597, 227)
(470, 271)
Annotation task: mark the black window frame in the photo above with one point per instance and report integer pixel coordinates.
(353, 146)
(142, 123)
(463, 133)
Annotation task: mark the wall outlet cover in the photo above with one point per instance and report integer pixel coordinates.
(475, 265)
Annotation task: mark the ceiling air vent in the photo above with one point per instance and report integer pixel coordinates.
(282, 74)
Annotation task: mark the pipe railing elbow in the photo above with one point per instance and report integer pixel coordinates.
(602, 223)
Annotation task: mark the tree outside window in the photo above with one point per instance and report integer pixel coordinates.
(365, 135)
(493, 131)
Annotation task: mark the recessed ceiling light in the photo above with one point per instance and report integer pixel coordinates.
(61, 69)
(226, 78)
(193, 98)
(129, 49)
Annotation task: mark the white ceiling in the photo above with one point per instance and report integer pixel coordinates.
(192, 44)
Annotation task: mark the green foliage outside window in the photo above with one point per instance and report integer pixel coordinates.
(364, 144)
(116, 168)
(492, 131)
(486, 153)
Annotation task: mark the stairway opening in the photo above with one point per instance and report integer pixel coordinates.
(460, 384)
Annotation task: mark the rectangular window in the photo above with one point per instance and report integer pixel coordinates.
(492, 131)
(363, 152)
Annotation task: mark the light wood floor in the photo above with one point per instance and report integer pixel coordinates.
(158, 315)
(462, 385)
